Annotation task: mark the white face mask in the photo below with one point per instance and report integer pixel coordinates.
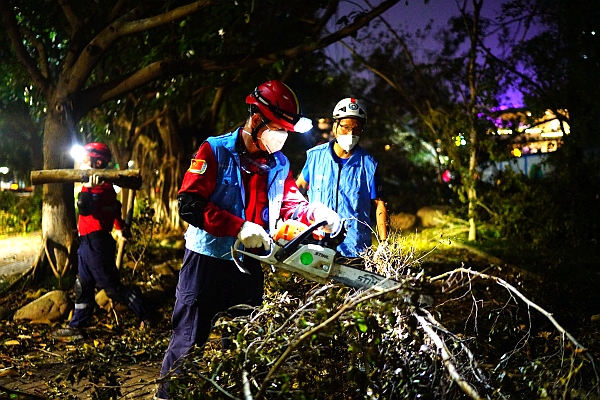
(273, 140)
(347, 142)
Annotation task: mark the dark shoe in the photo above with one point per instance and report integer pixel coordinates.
(68, 333)
(162, 391)
(148, 323)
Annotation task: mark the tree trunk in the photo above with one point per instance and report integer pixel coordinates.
(58, 208)
(471, 182)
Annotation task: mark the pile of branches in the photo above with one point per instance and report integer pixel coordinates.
(481, 337)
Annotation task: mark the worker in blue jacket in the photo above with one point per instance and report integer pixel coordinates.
(343, 176)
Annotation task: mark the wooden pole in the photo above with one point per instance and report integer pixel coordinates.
(130, 178)
(128, 219)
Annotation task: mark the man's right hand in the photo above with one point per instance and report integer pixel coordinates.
(94, 180)
(126, 232)
(253, 235)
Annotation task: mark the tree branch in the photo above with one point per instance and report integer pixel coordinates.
(447, 358)
(72, 18)
(352, 303)
(513, 290)
(99, 94)
(115, 11)
(123, 26)
(41, 49)
(23, 55)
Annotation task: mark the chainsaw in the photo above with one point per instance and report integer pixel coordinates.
(307, 251)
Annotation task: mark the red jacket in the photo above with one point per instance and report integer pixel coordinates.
(220, 223)
(106, 211)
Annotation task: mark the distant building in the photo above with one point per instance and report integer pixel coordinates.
(529, 141)
(531, 136)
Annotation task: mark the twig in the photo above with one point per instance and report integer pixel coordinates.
(246, 381)
(514, 291)
(447, 359)
(48, 352)
(352, 303)
(472, 362)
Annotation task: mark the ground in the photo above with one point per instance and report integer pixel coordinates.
(116, 355)
(35, 364)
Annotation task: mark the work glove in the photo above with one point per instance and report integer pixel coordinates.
(94, 180)
(382, 251)
(126, 232)
(253, 235)
(320, 212)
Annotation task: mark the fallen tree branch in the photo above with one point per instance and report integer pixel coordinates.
(470, 356)
(447, 358)
(514, 291)
(354, 301)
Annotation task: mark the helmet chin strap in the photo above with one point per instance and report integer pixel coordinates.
(254, 135)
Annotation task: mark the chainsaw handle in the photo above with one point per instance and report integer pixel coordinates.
(236, 255)
(290, 247)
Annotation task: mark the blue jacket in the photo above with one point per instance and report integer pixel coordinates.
(347, 190)
(229, 195)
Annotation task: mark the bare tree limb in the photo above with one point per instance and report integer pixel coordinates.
(579, 347)
(94, 96)
(72, 18)
(447, 358)
(41, 49)
(123, 26)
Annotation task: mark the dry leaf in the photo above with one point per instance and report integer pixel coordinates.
(10, 371)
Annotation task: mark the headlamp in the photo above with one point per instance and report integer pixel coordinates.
(303, 125)
(77, 153)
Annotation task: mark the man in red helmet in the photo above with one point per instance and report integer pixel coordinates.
(237, 187)
(99, 211)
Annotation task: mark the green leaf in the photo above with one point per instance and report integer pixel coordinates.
(362, 327)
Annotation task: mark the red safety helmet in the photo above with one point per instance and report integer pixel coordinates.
(278, 103)
(98, 150)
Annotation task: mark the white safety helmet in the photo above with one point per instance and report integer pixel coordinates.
(350, 108)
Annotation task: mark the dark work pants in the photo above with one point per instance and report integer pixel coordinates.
(97, 267)
(207, 286)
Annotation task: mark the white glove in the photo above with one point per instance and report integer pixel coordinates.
(253, 235)
(94, 180)
(320, 213)
(383, 249)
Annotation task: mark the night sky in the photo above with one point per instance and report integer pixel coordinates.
(412, 15)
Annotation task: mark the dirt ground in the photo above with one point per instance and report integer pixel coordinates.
(15, 251)
(33, 375)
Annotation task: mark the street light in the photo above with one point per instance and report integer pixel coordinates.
(3, 171)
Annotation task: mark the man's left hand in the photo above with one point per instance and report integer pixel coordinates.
(320, 213)
(382, 252)
(126, 232)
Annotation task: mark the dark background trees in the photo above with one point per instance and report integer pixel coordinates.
(78, 56)
(154, 95)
